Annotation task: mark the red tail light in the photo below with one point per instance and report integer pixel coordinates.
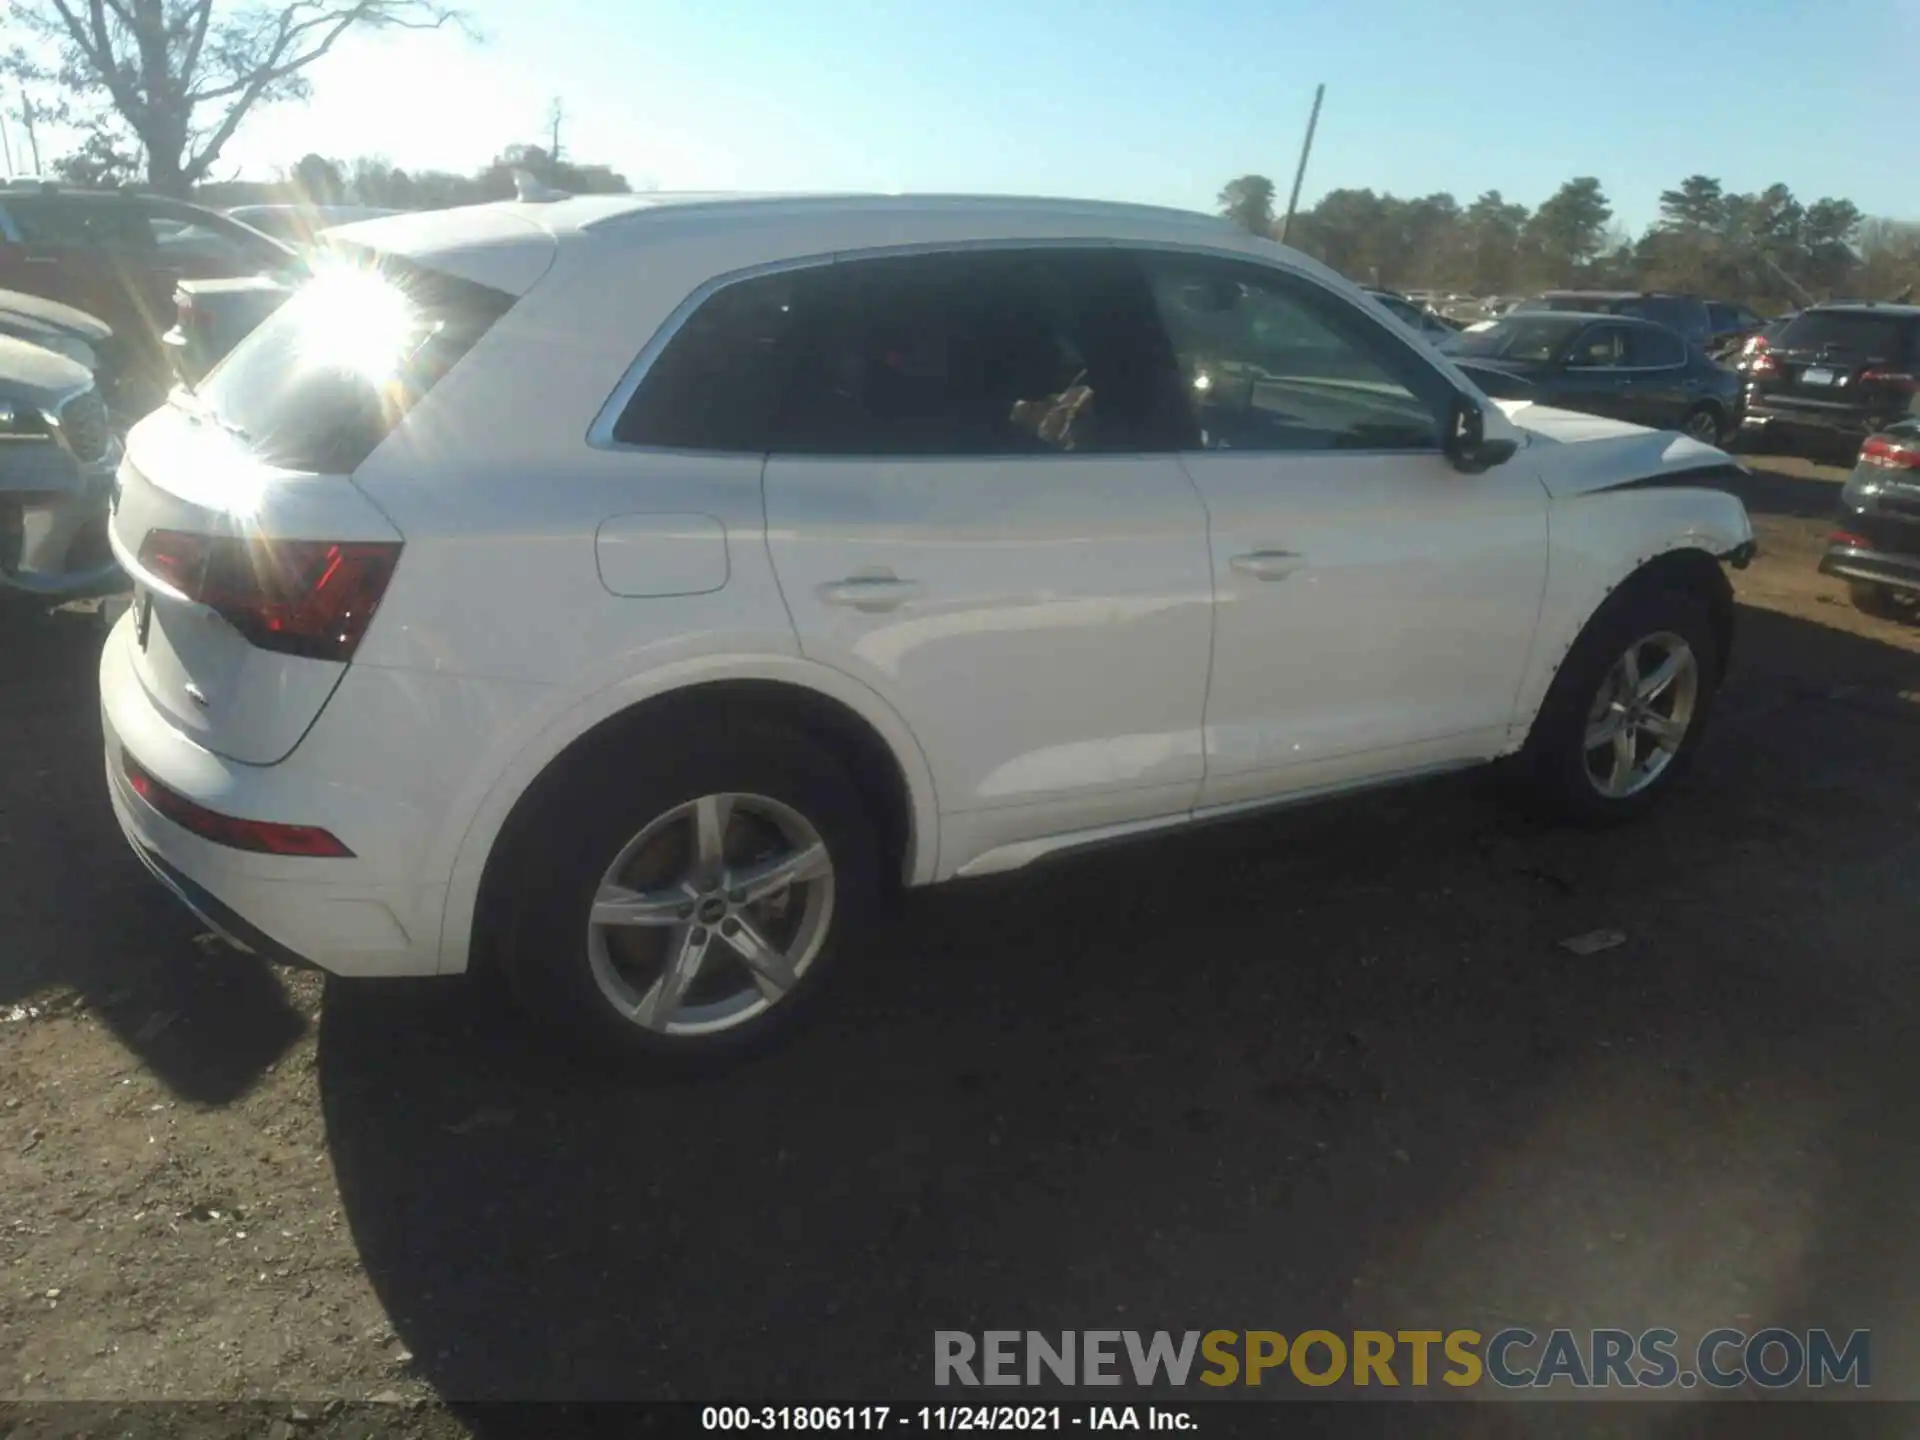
(312, 598)
(1891, 379)
(1884, 454)
(261, 836)
(1850, 540)
(1763, 362)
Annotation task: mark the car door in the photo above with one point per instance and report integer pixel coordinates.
(973, 508)
(1593, 378)
(1374, 605)
(1660, 386)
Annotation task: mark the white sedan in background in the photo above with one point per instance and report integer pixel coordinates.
(625, 592)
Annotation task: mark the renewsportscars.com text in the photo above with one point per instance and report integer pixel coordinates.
(1512, 1358)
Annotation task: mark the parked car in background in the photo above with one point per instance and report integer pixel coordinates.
(633, 589)
(1686, 314)
(210, 317)
(1875, 545)
(57, 458)
(300, 225)
(1610, 365)
(119, 255)
(53, 326)
(1834, 375)
(1732, 326)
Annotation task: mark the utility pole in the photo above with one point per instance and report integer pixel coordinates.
(6, 147)
(1306, 149)
(26, 119)
(554, 116)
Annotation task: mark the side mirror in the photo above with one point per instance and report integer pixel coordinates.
(1468, 448)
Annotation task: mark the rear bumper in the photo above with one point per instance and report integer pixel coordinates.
(350, 917)
(1763, 416)
(1880, 567)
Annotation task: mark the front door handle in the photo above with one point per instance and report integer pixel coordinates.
(871, 591)
(1268, 564)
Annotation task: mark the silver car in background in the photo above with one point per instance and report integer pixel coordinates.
(58, 453)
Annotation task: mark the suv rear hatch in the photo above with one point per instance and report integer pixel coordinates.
(257, 563)
(1829, 365)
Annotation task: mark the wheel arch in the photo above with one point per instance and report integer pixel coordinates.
(1691, 562)
(835, 711)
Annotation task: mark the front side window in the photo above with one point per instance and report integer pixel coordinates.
(974, 353)
(1600, 347)
(1530, 339)
(1272, 362)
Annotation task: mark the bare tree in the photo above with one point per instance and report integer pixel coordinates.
(183, 75)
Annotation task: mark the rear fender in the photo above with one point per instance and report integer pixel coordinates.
(488, 808)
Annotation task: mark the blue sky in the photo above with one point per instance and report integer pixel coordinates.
(1147, 100)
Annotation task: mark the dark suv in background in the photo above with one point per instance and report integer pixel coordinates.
(1687, 314)
(1834, 375)
(119, 255)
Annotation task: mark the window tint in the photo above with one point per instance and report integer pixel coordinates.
(1275, 363)
(1851, 332)
(1600, 346)
(981, 353)
(718, 383)
(57, 222)
(1533, 338)
(305, 391)
(1650, 346)
(187, 239)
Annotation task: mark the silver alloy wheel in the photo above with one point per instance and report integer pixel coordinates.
(711, 915)
(1641, 715)
(1702, 425)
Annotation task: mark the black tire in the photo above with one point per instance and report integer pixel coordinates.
(1879, 601)
(558, 856)
(1553, 767)
(1699, 413)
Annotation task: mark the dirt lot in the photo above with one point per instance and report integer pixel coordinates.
(1327, 1069)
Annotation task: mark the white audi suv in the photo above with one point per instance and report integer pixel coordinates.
(628, 591)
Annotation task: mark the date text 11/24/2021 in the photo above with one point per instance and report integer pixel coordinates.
(939, 1418)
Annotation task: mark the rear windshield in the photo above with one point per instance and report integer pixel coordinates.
(325, 378)
(1870, 337)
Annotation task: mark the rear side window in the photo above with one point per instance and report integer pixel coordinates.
(1855, 333)
(1600, 347)
(1655, 347)
(982, 353)
(719, 381)
(330, 374)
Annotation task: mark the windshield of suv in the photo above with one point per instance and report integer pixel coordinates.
(325, 378)
(1860, 333)
(1532, 338)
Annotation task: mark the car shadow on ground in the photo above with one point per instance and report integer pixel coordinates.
(1768, 490)
(1327, 1069)
(85, 923)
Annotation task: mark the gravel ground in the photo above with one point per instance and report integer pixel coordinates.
(1329, 1069)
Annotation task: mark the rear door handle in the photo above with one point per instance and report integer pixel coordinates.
(1268, 564)
(871, 592)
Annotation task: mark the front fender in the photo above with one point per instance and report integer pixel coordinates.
(1598, 540)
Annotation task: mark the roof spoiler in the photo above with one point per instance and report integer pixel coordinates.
(529, 189)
